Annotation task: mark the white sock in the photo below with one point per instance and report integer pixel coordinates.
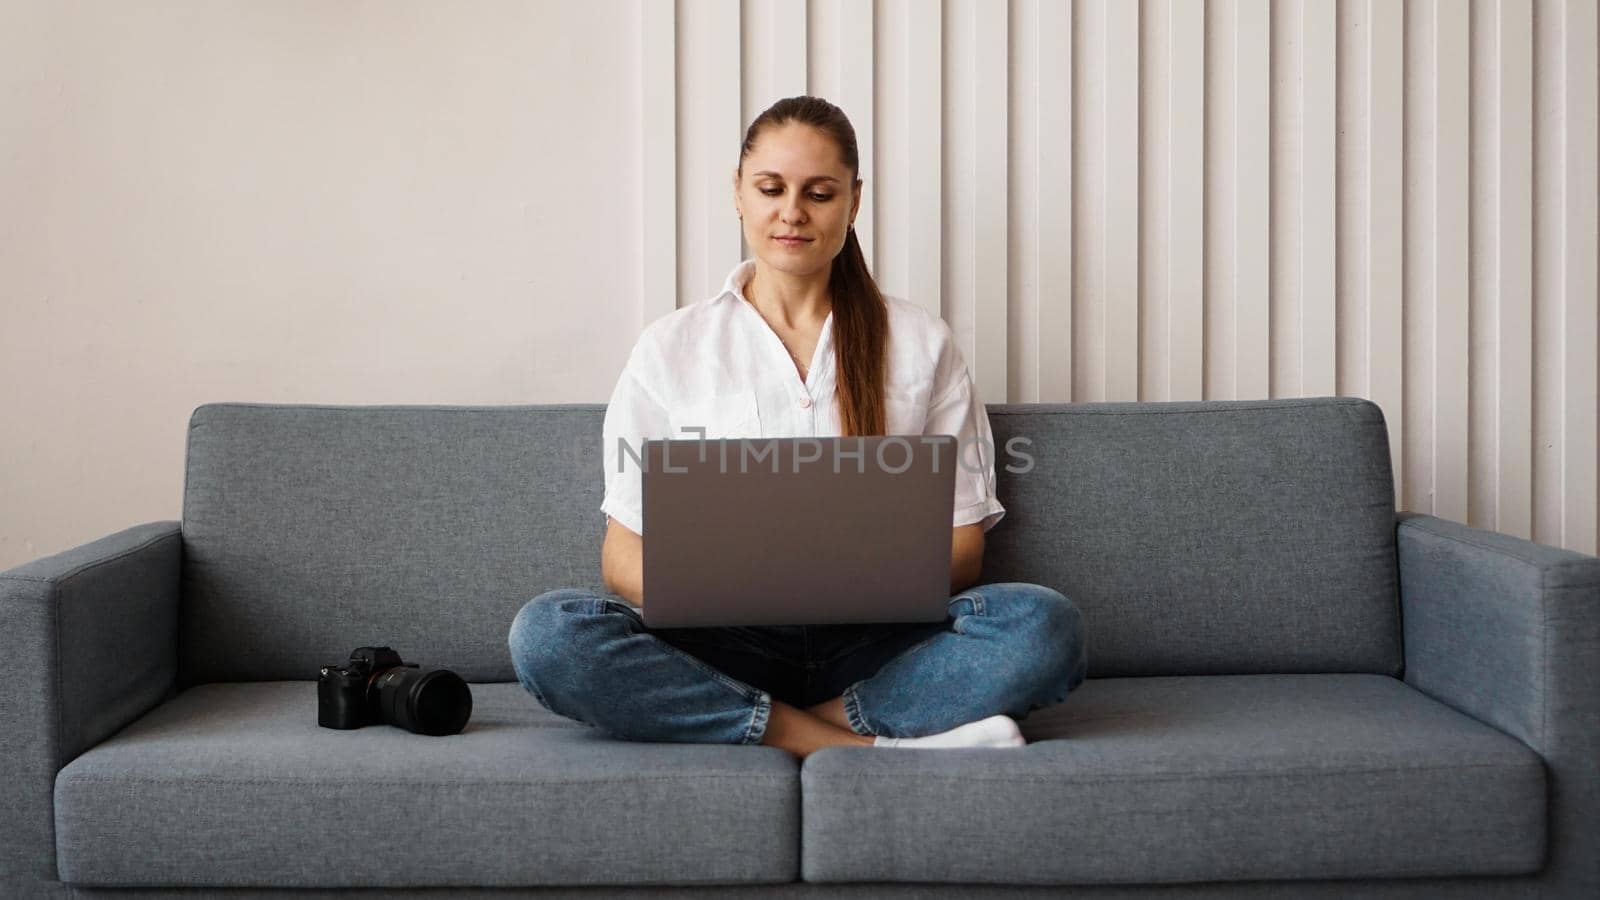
(995, 731)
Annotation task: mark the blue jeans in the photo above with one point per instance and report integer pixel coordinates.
(1005, 648)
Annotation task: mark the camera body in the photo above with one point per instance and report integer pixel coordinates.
(376, 688)
(342, 690)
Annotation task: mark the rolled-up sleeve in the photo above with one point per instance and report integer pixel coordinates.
(632, 416)
(957, 410)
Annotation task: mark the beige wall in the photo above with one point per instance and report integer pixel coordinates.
(351, 202)
(442, 203)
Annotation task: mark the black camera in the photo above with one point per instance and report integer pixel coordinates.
(377, 688)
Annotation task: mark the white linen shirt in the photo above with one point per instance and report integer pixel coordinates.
(717, 364)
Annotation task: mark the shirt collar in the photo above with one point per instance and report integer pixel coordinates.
(734, 288)
(740, 276)
(737, 279)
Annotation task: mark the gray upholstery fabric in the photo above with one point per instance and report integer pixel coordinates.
(236, 784)
(88, 638)
(1502, 888)
(1207, 538)
(1077, 793)
(1197, 538)
(1197, 778)
(312, 530)
(1508, 631)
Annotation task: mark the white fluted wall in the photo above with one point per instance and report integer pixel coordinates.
(1177, 199)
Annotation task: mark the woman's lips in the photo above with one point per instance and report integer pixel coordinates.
(792, 242)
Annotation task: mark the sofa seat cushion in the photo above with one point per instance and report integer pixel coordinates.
(236, 784)
(1180, 779)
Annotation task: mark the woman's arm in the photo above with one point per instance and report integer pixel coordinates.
(966, 556)
(622, 563)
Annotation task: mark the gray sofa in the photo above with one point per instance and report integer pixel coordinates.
(1293, 690)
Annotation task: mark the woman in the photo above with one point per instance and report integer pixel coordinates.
(800, 342)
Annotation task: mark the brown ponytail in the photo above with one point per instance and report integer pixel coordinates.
(860, 316)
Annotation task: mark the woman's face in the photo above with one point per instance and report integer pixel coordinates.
(793, 184)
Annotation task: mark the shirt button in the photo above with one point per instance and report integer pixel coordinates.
(805, 402)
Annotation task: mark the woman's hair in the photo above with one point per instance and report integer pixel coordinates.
(860, 316)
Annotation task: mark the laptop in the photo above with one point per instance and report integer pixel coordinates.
(797, 530)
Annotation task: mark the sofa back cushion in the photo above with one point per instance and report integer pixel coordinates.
(1218, 537)
(310, 531)
(1210, 537)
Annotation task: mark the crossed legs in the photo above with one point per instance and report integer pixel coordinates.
(1007, 649)
(805, 731)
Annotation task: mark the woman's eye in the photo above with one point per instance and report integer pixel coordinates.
(820, 198)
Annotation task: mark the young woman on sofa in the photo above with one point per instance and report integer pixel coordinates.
(855, 363)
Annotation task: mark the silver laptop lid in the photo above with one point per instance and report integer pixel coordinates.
(798, 530)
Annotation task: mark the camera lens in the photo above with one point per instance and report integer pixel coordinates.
(433, 702)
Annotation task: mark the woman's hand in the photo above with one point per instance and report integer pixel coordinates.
(966, 556)
(622, 562)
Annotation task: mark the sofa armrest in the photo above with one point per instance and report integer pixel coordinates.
(1508, 631)
(90, 642)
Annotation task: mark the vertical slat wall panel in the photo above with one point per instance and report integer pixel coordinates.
(1501, 385)
(692, 91)
(1448, 375)
(1545, 269)
(658, 291)
(773, 42)
(724, 239)
(1176, 199)
(1580, 245)
(824, 53)
(1184, 235)
(975, 173)
(1219, 262)
(1155, 200)
(891, 64)
(1120, 192)
(1053, 160)
(1252, 239)
(987, 124)
(1090, 234)
(1383, 251)
(1417, 332)
(855, 97)
(710, 240)
(1023, 329)
(1318, 310)
(1513, 225)
(1483, 310)
(1351, 180)
(758, 65)
(960, 169)
(1285, 197)
(786, 44)
(923, 99)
